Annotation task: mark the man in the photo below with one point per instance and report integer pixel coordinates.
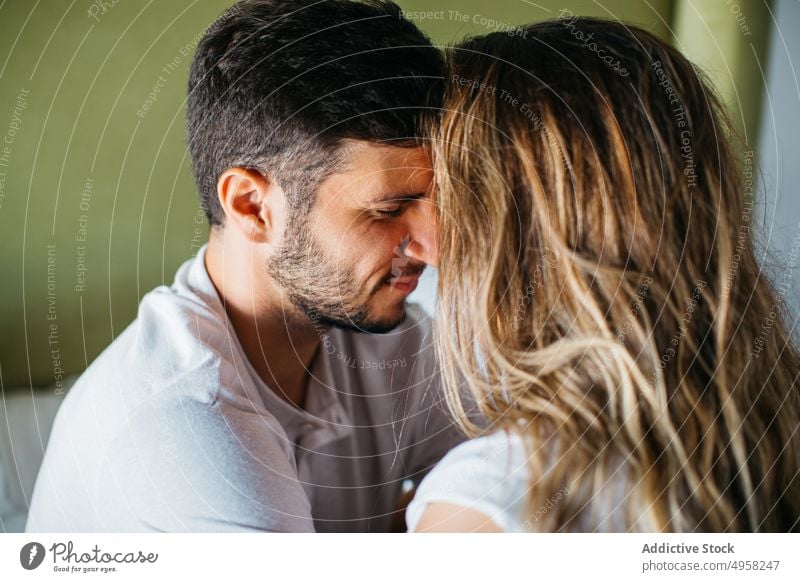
(281, 383)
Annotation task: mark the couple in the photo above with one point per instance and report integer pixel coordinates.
(599, 326)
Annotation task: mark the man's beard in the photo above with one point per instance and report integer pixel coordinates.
(326, 292)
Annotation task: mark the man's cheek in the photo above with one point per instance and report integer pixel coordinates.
(376, 253)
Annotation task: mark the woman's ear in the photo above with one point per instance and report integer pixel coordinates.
(253, 203)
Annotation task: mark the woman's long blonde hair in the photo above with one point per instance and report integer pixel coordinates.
(599, 290)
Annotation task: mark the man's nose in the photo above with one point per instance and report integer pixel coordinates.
(423, 228)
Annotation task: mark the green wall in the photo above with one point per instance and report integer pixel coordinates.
(727, 39)
(97, 203)
(87, 78)
(445, 21)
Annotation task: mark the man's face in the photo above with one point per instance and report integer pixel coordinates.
(343, 263)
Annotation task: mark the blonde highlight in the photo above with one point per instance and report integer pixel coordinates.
(595, 291)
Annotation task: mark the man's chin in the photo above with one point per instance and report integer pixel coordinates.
(363, 323)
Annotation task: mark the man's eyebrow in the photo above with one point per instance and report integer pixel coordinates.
(394, 197)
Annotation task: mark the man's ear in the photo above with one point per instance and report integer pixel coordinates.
(252, 202)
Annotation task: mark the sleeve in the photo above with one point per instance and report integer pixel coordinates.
(195, 467)
(487, 474)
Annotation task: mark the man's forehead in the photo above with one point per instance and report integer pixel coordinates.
(358, 156)
(369, 170)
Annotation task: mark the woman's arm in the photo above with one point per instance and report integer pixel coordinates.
(449, 518)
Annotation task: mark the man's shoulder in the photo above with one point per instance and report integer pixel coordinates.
(172, 335)
(186, 465)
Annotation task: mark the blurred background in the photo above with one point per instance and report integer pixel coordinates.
(98, 205)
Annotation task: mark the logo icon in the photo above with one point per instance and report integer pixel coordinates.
(31, 555)
(400, 259)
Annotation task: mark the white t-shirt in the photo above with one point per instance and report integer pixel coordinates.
(491, 474)
(488, 474)
(171, 428)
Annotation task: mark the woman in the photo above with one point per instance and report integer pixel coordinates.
(601, 306)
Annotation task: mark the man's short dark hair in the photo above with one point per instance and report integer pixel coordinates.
(278, 85)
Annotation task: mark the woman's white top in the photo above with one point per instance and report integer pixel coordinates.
(488, 474)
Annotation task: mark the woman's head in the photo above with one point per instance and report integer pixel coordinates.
(598, 281)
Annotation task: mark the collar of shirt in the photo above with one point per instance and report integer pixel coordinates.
(324, 418)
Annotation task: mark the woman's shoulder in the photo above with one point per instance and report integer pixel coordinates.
(487, 474)
(496, 449)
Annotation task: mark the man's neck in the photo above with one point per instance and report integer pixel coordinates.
(278, 339)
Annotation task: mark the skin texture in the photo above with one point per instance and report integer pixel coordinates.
(343, 263)
(449, 518)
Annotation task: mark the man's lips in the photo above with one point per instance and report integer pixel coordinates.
(406, 282)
